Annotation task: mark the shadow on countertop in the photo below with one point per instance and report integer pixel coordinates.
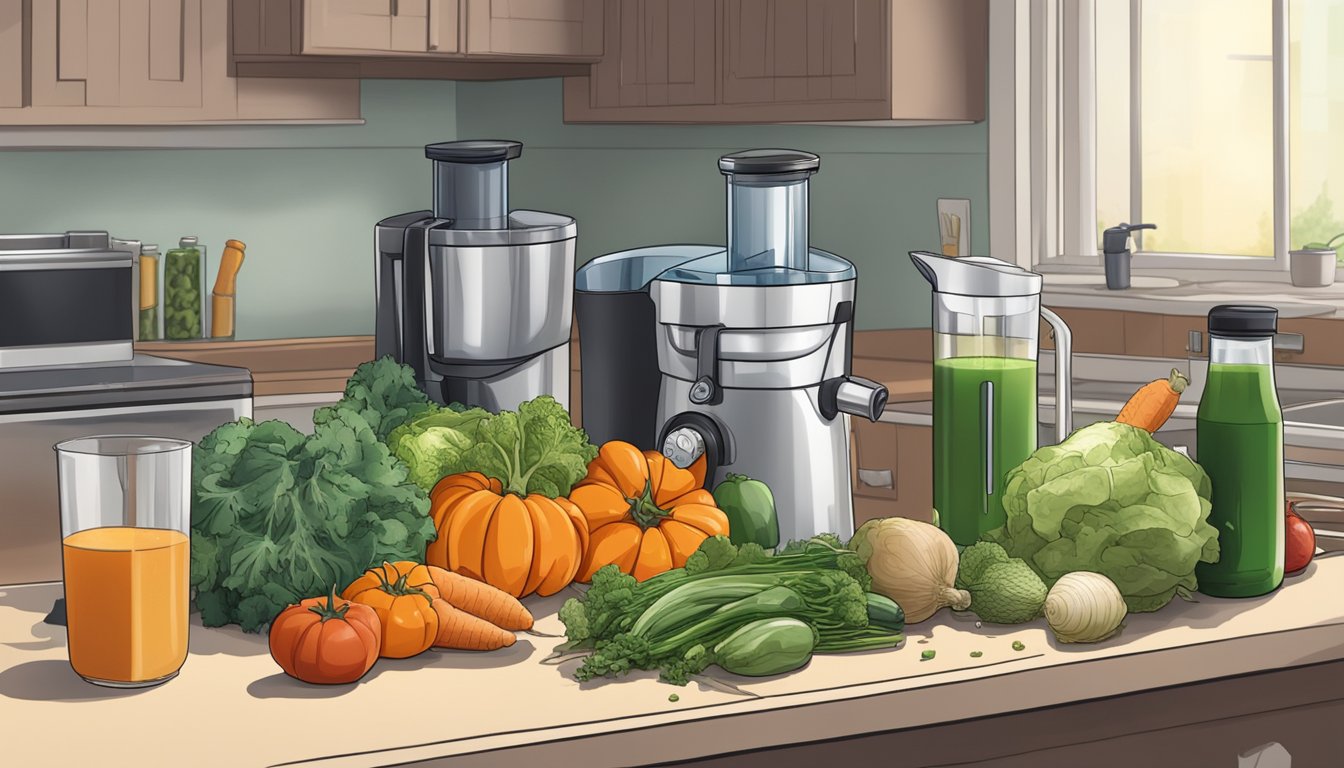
(55, 680)
(282, 686)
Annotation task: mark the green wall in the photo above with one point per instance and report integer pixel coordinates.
(873, 201)
(305, 198)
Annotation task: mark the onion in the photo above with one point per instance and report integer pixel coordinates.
(1084, 607)
(913, 563)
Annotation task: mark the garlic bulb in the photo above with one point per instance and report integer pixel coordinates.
(1084, 607)
(913, 563)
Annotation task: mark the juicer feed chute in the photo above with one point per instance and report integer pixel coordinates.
(475, 298)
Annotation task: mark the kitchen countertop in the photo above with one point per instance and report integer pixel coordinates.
(278, 366)
(232, 706)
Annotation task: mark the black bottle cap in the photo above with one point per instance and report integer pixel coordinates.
(1243, 321)
(763, 162)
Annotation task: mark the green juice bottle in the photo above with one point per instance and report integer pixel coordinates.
(1239, 443)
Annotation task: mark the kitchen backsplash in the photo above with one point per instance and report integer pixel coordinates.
(305, 198)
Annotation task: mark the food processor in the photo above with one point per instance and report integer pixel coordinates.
(986, 317)
(753, 346)
(477, 299)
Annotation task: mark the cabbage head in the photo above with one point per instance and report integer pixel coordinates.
(431, 446)
(1112, 500)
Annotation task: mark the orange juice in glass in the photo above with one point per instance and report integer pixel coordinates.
(126, 553)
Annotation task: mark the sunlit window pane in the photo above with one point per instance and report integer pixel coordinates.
(1206, 108)
(1316, 120)
(1112, 99)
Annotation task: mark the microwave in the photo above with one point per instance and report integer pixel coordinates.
(67, 299)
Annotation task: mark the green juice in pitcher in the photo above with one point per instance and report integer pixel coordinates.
(984, 425)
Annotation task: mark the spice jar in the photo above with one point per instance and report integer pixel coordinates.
(184, 290)
(149, 292)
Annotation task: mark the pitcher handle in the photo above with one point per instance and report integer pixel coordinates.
(1063, 374)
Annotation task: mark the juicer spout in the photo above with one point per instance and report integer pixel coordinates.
(975, 275)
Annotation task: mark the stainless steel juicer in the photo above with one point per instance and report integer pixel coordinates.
(753, 345)
(476, 298)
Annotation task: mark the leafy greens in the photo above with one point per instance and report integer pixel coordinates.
(384, 393)
(278, 516)
(1113, 500)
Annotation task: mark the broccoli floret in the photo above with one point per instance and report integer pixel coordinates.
(750, 553)
(715, 554)
(616, 657)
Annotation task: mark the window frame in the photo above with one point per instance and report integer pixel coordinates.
(1062, 100)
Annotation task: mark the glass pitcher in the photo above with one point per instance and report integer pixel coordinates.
(986, 319)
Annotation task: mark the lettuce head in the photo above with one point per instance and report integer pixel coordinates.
(432, 445)
(1112, 500)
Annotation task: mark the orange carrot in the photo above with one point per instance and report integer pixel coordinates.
(481, 600)
(459, 629)
(1154, 403)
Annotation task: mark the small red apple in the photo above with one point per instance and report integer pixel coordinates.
(1299, 542)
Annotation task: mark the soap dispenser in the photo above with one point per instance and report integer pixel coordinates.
(1116, 253)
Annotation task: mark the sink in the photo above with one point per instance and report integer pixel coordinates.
(1135, 281)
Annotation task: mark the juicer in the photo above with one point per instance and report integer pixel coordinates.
(753, 347)
(986, 320)
(477, 299)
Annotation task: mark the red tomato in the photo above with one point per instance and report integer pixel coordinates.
(326, 640)
(1299, 543)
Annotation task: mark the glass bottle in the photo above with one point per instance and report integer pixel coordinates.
(149, 292)
(1239, 443)
(184, 290)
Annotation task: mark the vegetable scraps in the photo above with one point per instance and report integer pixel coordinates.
(738, 607)
(1112, 500)
(277, 515)
(911, 562)
(1154, 403)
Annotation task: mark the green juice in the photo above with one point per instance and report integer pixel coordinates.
(971, 457)
(1239, 443)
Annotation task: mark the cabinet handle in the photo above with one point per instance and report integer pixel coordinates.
(433, 25)
(876, 478)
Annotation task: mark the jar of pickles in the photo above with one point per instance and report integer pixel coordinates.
(184, 290)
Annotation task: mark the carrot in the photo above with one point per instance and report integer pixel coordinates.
(459, 629)
(1154, 403)
(480, 599)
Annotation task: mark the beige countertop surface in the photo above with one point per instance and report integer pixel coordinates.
(231, 705)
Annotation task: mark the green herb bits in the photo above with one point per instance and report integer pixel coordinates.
(184, 290)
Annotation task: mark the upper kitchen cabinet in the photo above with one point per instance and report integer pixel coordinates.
(457, 39)
(380, 27)
(138, 62)
(749, 61)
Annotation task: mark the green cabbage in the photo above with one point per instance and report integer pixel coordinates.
(1114, 501)
(432, 445)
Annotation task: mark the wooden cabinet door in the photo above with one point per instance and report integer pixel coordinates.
(658, 53)
(780, 51)
(13, 64)
(161, 53)
(560, 28)
(380, 26)
(74, 53)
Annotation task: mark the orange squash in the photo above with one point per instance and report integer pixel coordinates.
(520, 545)
(403, 595)
(645, 514)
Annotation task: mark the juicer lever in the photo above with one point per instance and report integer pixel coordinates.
(854, 395)
(706, 389)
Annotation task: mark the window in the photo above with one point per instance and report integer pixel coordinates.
(1220, 121)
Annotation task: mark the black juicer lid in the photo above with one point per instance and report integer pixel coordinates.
(765, 162)
(474, 152)
(1243, 321)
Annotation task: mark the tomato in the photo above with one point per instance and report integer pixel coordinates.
(1299, 543)
(323, 641)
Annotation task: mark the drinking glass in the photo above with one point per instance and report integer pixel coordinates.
(126, 554)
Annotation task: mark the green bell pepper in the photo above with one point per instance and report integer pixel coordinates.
(750, 508)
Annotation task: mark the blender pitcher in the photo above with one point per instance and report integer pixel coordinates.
(986, 316)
